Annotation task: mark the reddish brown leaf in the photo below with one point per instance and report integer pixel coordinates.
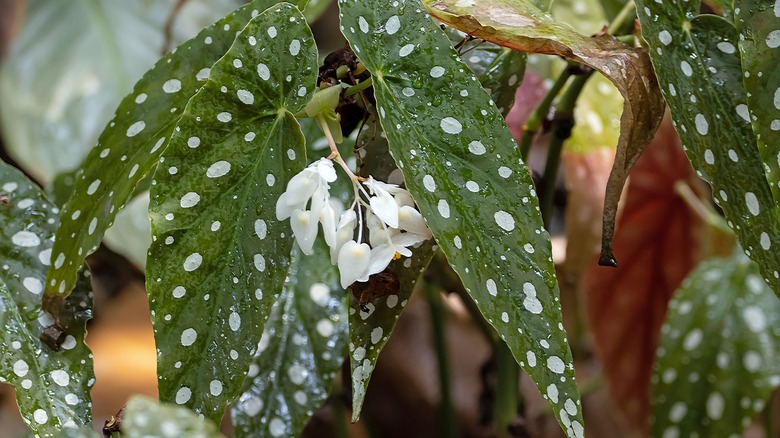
(658, 239)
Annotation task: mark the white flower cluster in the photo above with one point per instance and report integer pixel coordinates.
(393, 222)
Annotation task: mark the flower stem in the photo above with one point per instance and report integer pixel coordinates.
(335, 155)
(507, 390)
(357, 88)
(563, 122)
(447, 417)
(624, 16)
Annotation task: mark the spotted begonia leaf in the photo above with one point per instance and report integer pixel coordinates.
(500, 70)
(758, 23)
(522, 26)
(81, 432)
(219, 256)
(699, 68)
(370, 327)
(370, 330)
(130, 146)
(717, 363)
(144, 417)
(464, 170)
(300, 352)
(52, 387)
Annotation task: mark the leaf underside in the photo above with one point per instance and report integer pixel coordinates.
(464, 170)
(522, 26)
(52, 387)
(219, 256)
(717, 363)
(698, 65)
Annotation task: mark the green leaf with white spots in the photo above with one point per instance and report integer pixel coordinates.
(300, 352)
(464, 170)
(219, 256)
(520, 25)
(758, 23)
(370, 330)
(699, 69)
(144, 418)
(130, 146)
(500, 70)
(81, 432)
(717, 362)
(52, 387)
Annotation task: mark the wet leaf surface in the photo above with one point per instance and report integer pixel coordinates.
(299, 353)
(464, 171)
(758, 23)
(219, 256)
(717, 362)
(500, 70)
(522, 26)
(699, 68)
(132, 143)
(52, 386)
(145, 417)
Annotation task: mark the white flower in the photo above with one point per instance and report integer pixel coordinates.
(411, 221)
(383, 204)
(353, 261)
(328, 216)
(309, 187)
(389, 216)
(344, 232)
(304, 227)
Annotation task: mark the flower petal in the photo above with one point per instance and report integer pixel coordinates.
(328, 221)
(304, 226)
(409, 219)
(324, 168)
(384, 207)
(284, 209)
(381, 256)
(352, 262)
(302, 186)
(403, 198)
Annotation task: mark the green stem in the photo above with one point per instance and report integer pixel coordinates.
(624, 16)
(767, 414)
(563, 122)
(446, 279)
(339, 417)
(357, 88)
(447, 417)
(536, 118)
(507, 390)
